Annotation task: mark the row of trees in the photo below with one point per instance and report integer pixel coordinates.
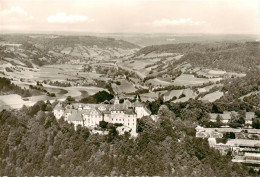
(6, 87)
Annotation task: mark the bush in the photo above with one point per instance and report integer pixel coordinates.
(103, 124)
(118, 83)
(98, 98)
(182, 95)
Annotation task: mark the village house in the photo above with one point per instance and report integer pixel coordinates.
(249, 118)
(226, 117)
(90, 115)
(243, 150)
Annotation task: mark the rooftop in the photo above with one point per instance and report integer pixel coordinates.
(244, 142)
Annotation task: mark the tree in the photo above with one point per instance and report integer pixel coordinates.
(219, 119)
(257, 113)
(99, 97)
(256, 123)
(103, 124)
(70, 100)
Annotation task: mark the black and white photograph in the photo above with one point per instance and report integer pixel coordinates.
(130, 88)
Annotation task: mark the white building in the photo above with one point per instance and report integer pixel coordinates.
(249, 118)
(58, 111)
(227, 116)
(90, 115)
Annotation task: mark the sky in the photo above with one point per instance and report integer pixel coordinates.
(131, 16)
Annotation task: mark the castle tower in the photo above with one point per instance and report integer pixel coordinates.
(116, 100)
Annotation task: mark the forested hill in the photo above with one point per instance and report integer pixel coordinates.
(44, 49)
(188, 47)
(52, 41)
(229, 56)
(34, 143)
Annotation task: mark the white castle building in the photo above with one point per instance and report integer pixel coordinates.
(90, 115)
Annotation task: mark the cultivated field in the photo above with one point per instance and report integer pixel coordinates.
(188, 94)
(170, 94)
(190, 80)
(124, 87)
(211, 97)
(13, 101)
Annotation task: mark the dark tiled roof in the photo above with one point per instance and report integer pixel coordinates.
(118, 107)
(75, 116)
(127, 103)
(138, 104)
(129, 111)
(58, 107)
(249, 115)
(147, 110)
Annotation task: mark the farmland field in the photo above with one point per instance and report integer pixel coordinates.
(158, 82)
(151, 96)
(138, 66)
(14, 101)
(170, 94)
(188, 94)
(207, 88)
(190, 80)
(124, 87)
(212, 96)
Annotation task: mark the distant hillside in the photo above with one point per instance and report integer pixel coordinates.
(160, 39)
(229, 56)
(87, 41)
(187, 47)
(49, 41)
(49, 49)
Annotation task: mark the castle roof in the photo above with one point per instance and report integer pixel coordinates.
(129, 112)
(137, 103)
(68, 111)
(244, 142)
(249, 115)
(127, 103)
(75, 116)
(58, 107)
(147, 110)
(118, 107)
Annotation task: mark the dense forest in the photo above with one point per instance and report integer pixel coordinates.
(187, 47)
(235, 89)
(33, 142)
(228, 56)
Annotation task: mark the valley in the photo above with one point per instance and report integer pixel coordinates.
(116, 90)
(72, 65)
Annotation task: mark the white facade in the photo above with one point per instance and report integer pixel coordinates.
(58, 111)
(141, 112)
(90, 115)
(92, 118)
